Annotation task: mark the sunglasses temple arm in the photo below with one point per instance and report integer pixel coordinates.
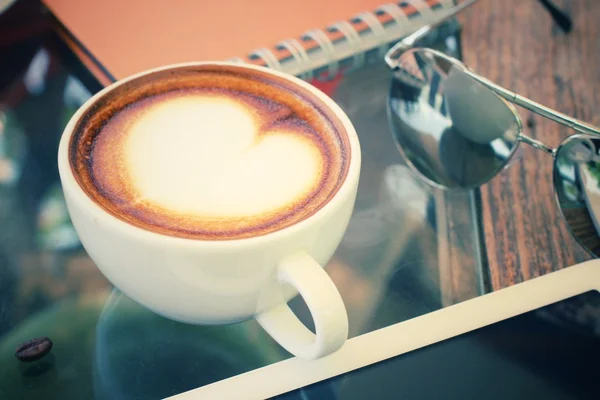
(560, 17)
(393, 54)
(536, 108)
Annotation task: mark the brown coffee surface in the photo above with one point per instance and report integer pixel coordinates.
(210, 152)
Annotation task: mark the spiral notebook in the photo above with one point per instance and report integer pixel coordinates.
(348, 43)
(121, 38)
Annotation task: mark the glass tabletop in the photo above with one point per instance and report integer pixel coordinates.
(409, 250)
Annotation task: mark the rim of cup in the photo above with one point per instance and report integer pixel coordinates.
(78, 195)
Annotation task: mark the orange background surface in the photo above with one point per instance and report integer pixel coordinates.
(128, 36)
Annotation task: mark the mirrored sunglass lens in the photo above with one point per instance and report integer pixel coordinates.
(577, 186)
(456, 132)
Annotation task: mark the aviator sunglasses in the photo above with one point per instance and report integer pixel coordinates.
(458, 130)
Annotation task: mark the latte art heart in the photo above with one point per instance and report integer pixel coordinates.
(212, 154)
(201, 155)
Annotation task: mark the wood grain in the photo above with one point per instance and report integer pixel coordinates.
(515, 43)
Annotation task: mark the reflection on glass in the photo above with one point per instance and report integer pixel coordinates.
(66, 372)
(141, 355)
(452, 129)
(12, 148)
(577, 185)
(48, 285)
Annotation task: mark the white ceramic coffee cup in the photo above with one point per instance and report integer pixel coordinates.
(217, 282)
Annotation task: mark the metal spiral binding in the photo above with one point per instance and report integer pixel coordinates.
(268, 57)
(422, 7)
(328, 48)
(305, 60)
(299, 54)
(376, 27)
(395, 12)
(353, 39)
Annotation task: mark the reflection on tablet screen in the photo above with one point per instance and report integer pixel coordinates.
(549, 353)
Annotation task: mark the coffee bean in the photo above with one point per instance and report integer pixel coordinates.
(34, 349)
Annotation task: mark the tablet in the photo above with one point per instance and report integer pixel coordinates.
(537, 339)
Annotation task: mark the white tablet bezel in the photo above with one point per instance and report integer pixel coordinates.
(406, 336)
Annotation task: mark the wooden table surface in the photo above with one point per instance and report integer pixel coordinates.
(516, 44)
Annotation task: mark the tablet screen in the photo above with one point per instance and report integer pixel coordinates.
(549, 353)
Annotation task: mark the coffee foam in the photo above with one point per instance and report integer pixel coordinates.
(211, 156)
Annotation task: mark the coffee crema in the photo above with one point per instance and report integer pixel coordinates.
(210, 152)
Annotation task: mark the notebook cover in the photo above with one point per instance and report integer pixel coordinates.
(131, 36)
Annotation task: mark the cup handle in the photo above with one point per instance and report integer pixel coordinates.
(324, 302)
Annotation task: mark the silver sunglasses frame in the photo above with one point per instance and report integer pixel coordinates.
(510, 99)
(393, 56)
(405, 47)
